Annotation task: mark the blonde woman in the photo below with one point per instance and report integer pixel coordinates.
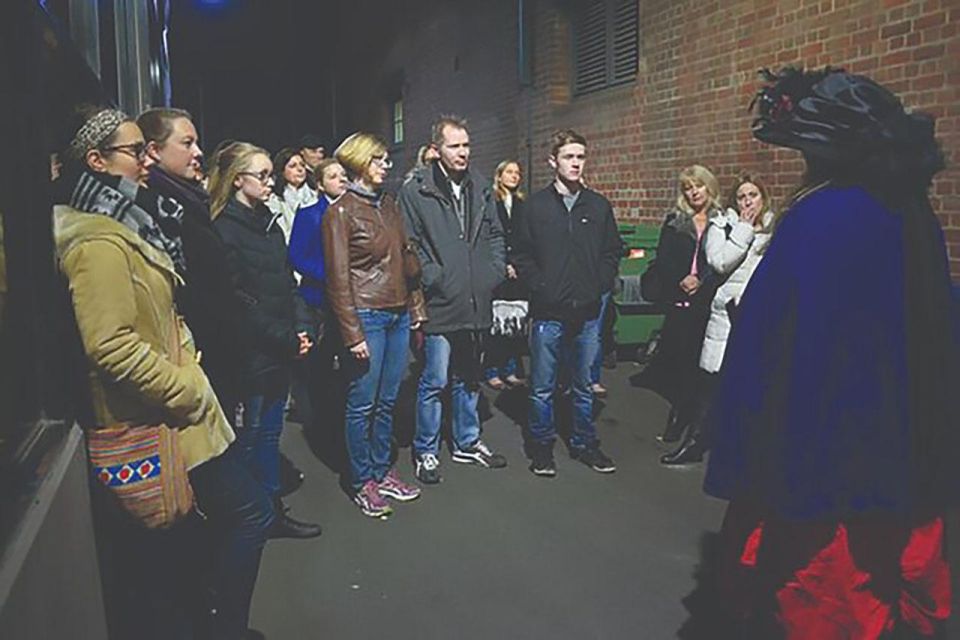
(276, 325)
(372, 278)
(687, 284)
(502, 366)
(734, 244)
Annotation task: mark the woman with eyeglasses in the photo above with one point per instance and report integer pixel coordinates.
(276, 328)
(373, 289)
(119, 248)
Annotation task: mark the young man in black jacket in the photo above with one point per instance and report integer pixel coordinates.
(566, 249)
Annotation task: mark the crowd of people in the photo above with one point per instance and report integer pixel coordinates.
(206, 302)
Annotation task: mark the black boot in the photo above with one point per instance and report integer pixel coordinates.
(690, 451)
(286, 527)
(674, 428)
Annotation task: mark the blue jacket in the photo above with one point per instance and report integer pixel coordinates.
(306, 251)
(812, 416)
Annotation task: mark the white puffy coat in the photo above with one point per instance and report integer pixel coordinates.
(735, 248)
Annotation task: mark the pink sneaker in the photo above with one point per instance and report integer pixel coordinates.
(393, 487)
(370, 501)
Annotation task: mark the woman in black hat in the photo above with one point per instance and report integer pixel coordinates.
(832, 433)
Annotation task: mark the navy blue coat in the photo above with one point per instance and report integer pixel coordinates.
(812, 417)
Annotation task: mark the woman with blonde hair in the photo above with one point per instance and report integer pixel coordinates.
(682, 280)
(504, 348)
(735, 242)
(372, 278)
(276, 328)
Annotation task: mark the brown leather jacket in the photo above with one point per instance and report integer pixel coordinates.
(369, 262)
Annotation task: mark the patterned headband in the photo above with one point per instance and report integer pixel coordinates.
(97, 129)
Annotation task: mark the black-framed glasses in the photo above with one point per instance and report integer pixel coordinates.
(263, 176)
(383, 162)
(136, 150)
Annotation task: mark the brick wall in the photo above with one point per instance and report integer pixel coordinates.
(698, 64)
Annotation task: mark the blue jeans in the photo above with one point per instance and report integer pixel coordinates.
(501, 357)
(239, 513)
(259, 438)
(372, 392)
(552, 343)
(433, 380)
(598, 360)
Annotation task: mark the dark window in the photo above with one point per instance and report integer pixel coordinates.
(605, 44)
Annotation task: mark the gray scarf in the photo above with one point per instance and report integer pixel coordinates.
(154, 218)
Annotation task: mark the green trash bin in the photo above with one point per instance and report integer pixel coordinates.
(638, 320)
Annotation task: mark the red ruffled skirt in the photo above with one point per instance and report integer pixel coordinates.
(860, 578)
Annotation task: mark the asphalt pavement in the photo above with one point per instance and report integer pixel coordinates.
(499, 553)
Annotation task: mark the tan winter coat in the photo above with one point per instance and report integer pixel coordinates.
(122, 293)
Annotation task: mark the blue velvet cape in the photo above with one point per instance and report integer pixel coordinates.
(812, 416)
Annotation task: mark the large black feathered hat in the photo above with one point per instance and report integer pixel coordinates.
(842, 118)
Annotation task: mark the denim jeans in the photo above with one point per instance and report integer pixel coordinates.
(372, 392)
(239, 513)
(259, 437)
(501, 356)
(552, 343)
(433, 380)
(598, 359)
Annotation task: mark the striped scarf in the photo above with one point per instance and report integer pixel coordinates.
(153, 217)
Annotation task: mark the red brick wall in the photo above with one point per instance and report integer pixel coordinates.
(698, 64)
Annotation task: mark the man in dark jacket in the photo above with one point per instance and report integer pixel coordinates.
(452, 221)
(566, 249)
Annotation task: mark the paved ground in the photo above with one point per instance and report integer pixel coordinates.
(500, 553)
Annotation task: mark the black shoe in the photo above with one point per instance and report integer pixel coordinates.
(594, 458)
(291, 478)
(479, 454)
(286, 527)
(674, 428)
(690, 451)
(541, 461)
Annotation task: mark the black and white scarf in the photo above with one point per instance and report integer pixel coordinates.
(153, 217)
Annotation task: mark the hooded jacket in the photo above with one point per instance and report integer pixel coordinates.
(461, 267)
(122, 293)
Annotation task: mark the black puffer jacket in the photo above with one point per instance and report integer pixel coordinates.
(272, 311)
(206, 300)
